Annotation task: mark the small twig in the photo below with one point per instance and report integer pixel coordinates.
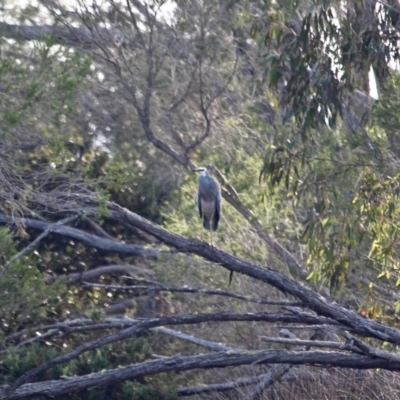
(310, 343)
(59, 325)
(294, 374)
(86, 325)
(159, 287)
(273, 376)
(200, 342)
(299, 327)
(276, 373)
(98, 229)
(92, 274)
(220, 387)
(364, 348)
(31, 246)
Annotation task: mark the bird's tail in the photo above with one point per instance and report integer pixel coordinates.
(206, 223)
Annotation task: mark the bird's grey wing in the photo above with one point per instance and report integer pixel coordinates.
(199, 205)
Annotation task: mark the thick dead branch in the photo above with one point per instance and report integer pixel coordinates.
(186, 363)
(86, 238)
(310, 299)
(140, 325)
(231, 196)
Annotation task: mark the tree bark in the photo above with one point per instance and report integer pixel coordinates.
(187, 363)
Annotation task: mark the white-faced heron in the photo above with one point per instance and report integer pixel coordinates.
(208, 200)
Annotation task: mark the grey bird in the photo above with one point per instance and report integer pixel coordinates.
(208, 200)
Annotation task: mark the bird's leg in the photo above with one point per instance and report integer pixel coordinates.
(211, 229)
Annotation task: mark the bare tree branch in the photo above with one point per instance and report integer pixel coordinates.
(186, 363)
(98, 229)
(231, 196)
(314, 301)
(277, 372)
(99, 271)
(219, 387)
(191, 339)
(274, 375)
(87, 325)
(86, 238)
(223, 387)
(312, 343)
(50, 228)
(140, 325)
(159, 287)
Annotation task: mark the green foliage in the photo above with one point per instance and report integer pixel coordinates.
(110, 356)
(136, 185)
(132, 391)
(319, 58)
(385, 113)
(25, 298)
(346, 194)
(19, 361)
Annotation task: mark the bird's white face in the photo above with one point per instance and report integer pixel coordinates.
(200, 169)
